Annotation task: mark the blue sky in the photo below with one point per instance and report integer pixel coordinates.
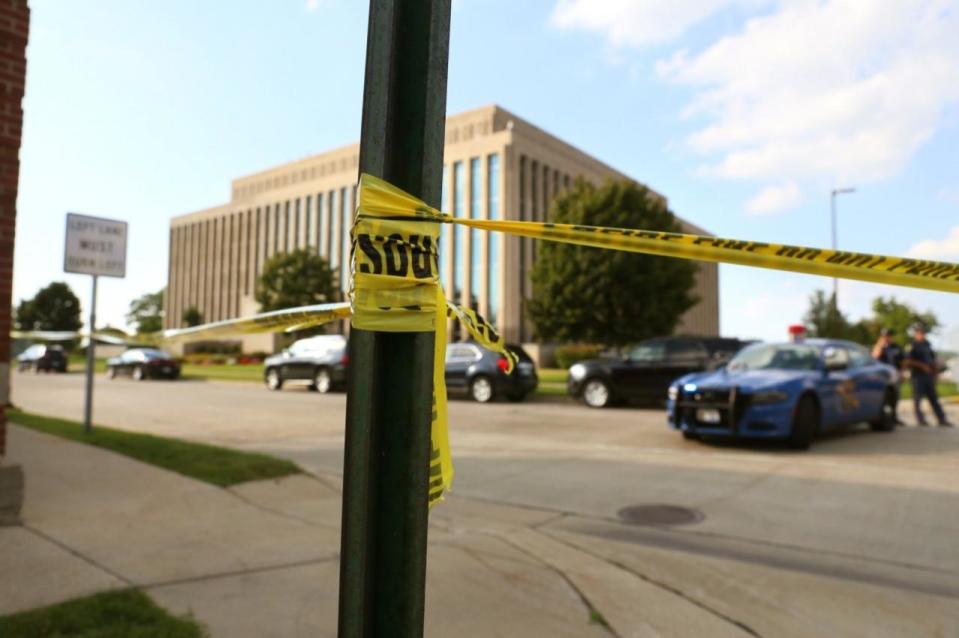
(744, 113)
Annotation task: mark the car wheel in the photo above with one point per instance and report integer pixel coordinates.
(111, 373)
(139, 374)
(886, 421)
(805, 423)
(273, 379)
(481, 389)
(596, 393)
(322, 381)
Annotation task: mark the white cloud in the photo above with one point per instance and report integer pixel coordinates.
(774, 199)
(634, 22)
(949, 194)
(806, 91)
(313, 5)
(945, 249)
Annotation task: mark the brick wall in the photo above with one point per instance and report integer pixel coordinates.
(14, 29)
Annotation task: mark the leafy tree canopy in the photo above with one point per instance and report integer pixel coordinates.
(297, 278)
(146, 312)
(192, 317)
(592, 295)
(52, 308)
(823, 319)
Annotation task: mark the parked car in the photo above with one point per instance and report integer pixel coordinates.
(644, 374)
(790, 391)
(319, 362)
(481, 374)
(144, 363)
(42, 358)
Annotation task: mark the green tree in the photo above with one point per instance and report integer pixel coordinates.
(146, 312)
(583, 294)
(824, 319)
(192, 317)
(54, 307)
(297, 278)
(891, 313)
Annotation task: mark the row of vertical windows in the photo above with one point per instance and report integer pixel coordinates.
(493, 240)
(217, 260)
(538, 186)
(458, 230)
(476, 259)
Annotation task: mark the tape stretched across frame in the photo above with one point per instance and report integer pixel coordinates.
(395, 284)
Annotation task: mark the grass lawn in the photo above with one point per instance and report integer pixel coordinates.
(78, 363)
(208, 463)
(552, 382)
(113, 614)
(237, 372)
(945, 389)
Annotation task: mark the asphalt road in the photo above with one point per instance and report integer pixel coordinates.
(870, 509)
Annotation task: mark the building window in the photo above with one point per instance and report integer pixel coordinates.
(330, 257)
(344, 239)
(318, 231)
(276, 228)
(523, 216)
(545, 209)
(492, 240)
(444, 230)
(458, 231)
(296, 223)
(256, 244)
(307, 221)
(286, 226)
(476, 259)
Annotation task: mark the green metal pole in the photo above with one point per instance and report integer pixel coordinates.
(389, 405)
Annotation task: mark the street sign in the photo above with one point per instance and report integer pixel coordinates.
(95, 246)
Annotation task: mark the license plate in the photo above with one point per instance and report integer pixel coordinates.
(167, 369)
(706, 415)
(525, 369)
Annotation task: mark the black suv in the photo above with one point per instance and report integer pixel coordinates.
(644, 374)
(481, 374)
(40, 358)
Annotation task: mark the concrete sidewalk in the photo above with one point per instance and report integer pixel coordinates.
(257, 560)
(260, 560)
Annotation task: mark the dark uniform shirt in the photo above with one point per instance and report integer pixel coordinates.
(891, 355)
(921, 352)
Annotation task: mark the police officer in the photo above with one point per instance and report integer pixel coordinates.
(921, 361)
(888, 351)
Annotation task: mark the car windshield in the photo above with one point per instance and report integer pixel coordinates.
(776, 357)
(155, 354)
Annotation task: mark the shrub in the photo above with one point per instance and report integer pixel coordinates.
(568, 355)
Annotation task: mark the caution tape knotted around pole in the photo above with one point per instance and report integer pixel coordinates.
(395, 287)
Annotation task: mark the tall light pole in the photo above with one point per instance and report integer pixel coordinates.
(832, 210)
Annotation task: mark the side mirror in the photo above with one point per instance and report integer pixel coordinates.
(836, 366)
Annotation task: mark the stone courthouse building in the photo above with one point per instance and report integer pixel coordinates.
(496, 166)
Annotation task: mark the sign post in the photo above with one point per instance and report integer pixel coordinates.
(94, 246)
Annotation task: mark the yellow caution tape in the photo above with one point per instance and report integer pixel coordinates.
(395, 288)
(395, 285)
(286, 320)
(899, 271)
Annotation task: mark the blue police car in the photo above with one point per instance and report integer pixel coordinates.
(790, 391)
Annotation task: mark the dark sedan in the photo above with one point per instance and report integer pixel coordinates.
(644, 374)
(481, 374)
(144, 363)
(42, 358)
